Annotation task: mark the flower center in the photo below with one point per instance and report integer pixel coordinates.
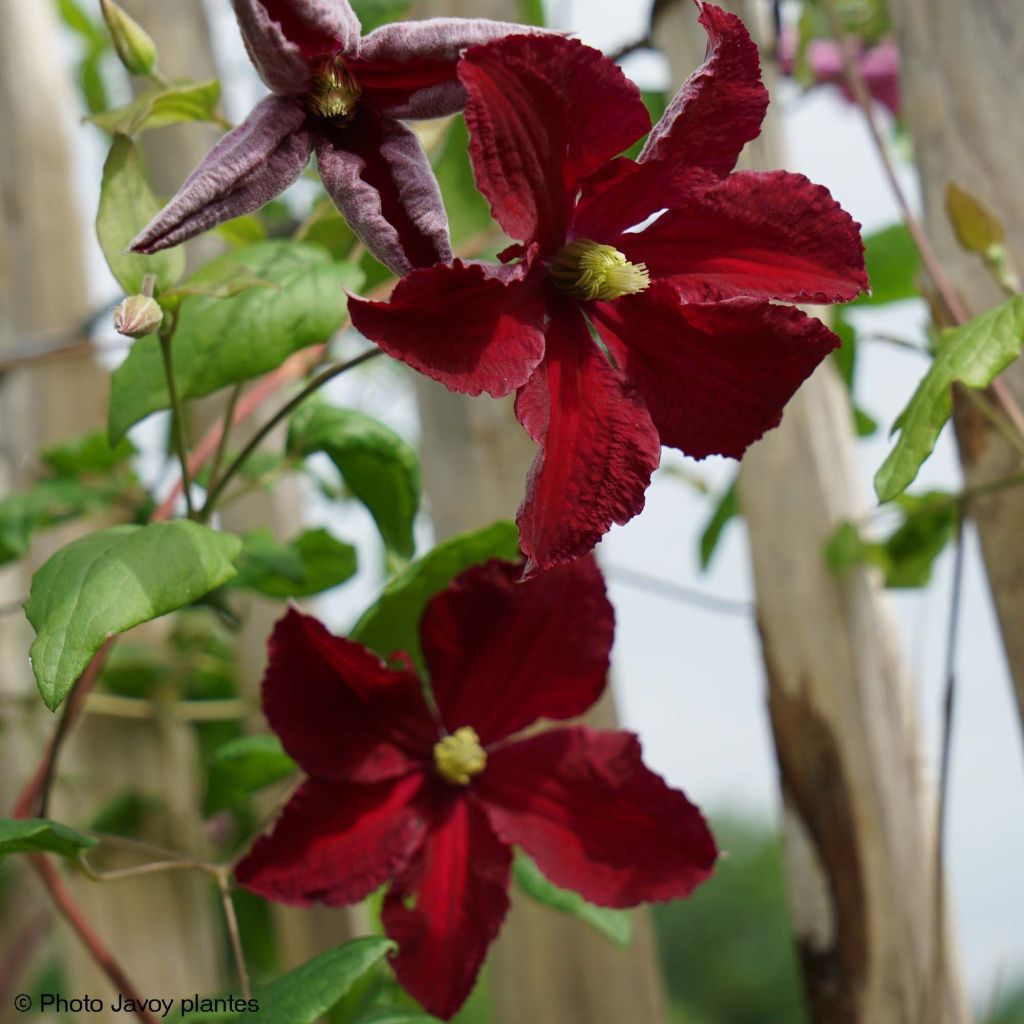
(587, 270)
(459, 757)
(334, 93)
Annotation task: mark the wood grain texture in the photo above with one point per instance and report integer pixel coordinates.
(960, 76)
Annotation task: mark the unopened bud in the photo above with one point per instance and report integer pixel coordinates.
(132, 42)
(137, 316)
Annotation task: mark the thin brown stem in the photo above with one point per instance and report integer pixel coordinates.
(234, 935)
(177, 423)
(225, 435)
(280, 416)
(98, 950)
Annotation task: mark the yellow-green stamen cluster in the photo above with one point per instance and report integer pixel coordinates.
(590, 271)
(334, 93)
(459, 757)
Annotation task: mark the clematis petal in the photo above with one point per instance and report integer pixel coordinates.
(598, 451)
(445, 909)
(408, 68)
(503, 654)
(379, 177)
(719, 108)
(247, 168)
(543, 113)
(595, 819)
(715, 377)
(764, 235)
(341, 713)
(336, 843)
(285, 37)
(472, 327)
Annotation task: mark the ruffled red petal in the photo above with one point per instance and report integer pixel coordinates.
(445, 909)
(503, 654)
(340, 711)
(715, 377)
(376, 172)
(583, 805)
(599, 447)
(544, 112)
(765, 235)
(336, 844)
(472, 327)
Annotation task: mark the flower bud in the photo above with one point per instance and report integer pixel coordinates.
(132, 42)
(137, 316)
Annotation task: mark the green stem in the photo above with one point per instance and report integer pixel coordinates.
(225, 436)
(177, 424)
(217, 489)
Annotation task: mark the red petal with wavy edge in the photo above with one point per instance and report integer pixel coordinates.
(543, 113)
(599, 447)
(714, 377)
(472, 327)
(248, 167)
(767, 236)
(719, 108)
(284, 37)
(503, 654)
(595, 819)
(336, 843)
(407, 68)
(340, 711)
(445, 909)
(376, 172)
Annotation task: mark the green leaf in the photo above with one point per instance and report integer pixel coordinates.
(91, 83)
(227, 281)
(374, 13)
(242, 767)
(304, 995)
(218, 341)
(112, 580)
(392, 622)
(87, 455)
(37, 835)
(725, 511)
(161, 106)
(531, 12)
(469, 216)
(326, 227)
(394, 1015)
(893, 267)
(615, 925)
(973, 355)
(76, 19)
(378, 467)
(310, 564)
(127, 205)
(656, 101)
(976, 227)
(242, 231)
(125, 813)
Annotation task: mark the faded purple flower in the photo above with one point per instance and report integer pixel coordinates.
(340, 97)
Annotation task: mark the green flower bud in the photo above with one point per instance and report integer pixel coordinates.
(132, 42)
(137, 316)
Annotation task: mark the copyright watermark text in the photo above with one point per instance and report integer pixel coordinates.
(51, 1002)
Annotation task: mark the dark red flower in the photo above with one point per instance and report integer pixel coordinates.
(619, 335)
(340, 97)
(434, 803)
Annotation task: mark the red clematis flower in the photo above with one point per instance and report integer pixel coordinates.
(434, 802)
(341, 97)
(619, 335)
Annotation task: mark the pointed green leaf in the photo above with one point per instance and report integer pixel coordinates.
(374, 13)
(615, 925)
(127, 205)
(973, 355)
(87, 455)
(395, 1015)
(725, 511)
(392, 622)
(37, 835)
(893, 267)
(310, 564)
(161, 106)
(108, 582)
(531, 12)
(976, 227)
(242, 231)
(242, 767)
(222, 341)
(304, 995)
(378, 467)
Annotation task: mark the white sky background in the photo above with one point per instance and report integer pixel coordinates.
(690, 681)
